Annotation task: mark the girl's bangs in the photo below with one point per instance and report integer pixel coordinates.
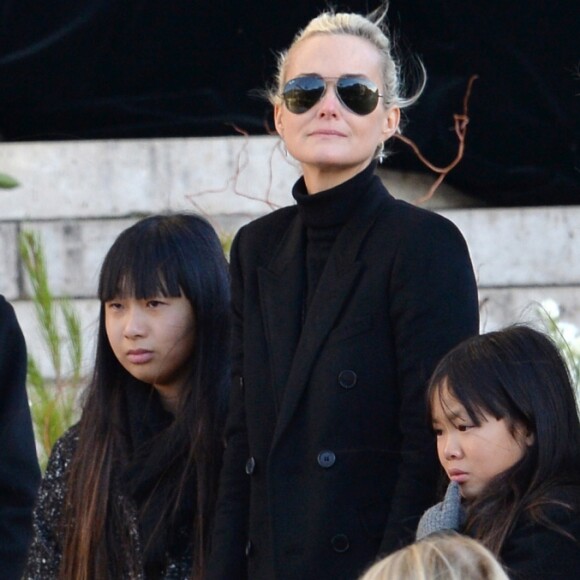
(467, 397)
(142, 270)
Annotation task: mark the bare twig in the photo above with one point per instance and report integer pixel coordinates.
(461, 122)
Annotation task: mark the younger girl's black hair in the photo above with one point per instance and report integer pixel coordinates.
(169, 255)
(518, 375)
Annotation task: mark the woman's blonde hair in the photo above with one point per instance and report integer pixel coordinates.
(370, 28)
(448, 556)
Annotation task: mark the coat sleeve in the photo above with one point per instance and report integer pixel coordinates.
(19, 471)
(434, 306)
(227, 558)
(45, 552)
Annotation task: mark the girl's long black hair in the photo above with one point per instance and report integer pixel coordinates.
(171, 255)
(516, 374)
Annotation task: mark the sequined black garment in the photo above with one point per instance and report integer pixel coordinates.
(46, 550)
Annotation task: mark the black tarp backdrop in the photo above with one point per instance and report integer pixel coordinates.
(92, 69)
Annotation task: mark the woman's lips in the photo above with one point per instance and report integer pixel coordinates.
(327, 133)
(139, 356)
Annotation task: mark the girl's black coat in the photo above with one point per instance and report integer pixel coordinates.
(329, 460)
(534, 551)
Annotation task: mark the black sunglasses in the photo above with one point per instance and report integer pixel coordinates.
(358, 94)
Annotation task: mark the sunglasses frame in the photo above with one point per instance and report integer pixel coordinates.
(290, 86)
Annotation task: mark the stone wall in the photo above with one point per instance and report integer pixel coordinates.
(79, 195)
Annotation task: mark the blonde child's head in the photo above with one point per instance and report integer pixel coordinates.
(447, 556)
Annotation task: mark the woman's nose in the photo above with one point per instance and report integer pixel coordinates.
(329, 103)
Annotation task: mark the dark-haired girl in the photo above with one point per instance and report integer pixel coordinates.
(508, 437)
(129, 491)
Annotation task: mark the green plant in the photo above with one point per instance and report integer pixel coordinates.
(226, 240)
(7, 182)
(566, 336)
(53, 401)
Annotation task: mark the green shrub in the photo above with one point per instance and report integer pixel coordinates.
(53, 402)
(566, 336)
(7, 182)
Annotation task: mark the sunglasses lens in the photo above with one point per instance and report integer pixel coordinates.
(302, 93)
(357, 94)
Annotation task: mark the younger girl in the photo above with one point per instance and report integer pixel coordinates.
(508, 437)
(129, 491)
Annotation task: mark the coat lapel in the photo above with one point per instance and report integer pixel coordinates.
(281, 288)
(337, 283)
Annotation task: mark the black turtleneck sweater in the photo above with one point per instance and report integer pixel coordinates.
(324, 214)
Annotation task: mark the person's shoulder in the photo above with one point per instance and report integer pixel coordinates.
(7, 314)
(548, 547)
(4, 304)
(418, 227)
(264, 232)
(63, 451)
(413, 215)
(562, 505)
(278, 218)
(558, 516)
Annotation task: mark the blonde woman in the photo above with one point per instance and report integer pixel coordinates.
(343, 303)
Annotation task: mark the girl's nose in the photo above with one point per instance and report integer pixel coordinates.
(452, 448)
(134, 323)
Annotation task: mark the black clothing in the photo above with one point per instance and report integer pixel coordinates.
(140, 485)
(535, 552)
(532, 550)
(19, 470)
(329, 461)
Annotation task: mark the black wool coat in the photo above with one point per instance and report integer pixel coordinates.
(19, 471)
(329, 460)
(534, 551)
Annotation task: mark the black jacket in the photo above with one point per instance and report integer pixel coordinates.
(537, 552)
(19, 471)
(329, 460)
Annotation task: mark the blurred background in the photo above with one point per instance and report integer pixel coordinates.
(125, 69)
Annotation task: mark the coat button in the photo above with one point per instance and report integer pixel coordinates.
(241, 382)
(250, 466)
(347, 379)
(326, 459)
(340, 543)
(248, 549)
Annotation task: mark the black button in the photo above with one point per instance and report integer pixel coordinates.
(326, 459)
(347, 379)
(248, 549)
(241, 382)
(250, 466)
(340, 543)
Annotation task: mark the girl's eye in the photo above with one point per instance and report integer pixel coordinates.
(154, 303)
(463, 428)
(114, 305)
(438, 432)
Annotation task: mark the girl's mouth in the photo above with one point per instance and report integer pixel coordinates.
(457, 475)
(139, 356)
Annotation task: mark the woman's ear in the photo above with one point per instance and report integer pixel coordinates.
(278, 120)
(391, 122)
